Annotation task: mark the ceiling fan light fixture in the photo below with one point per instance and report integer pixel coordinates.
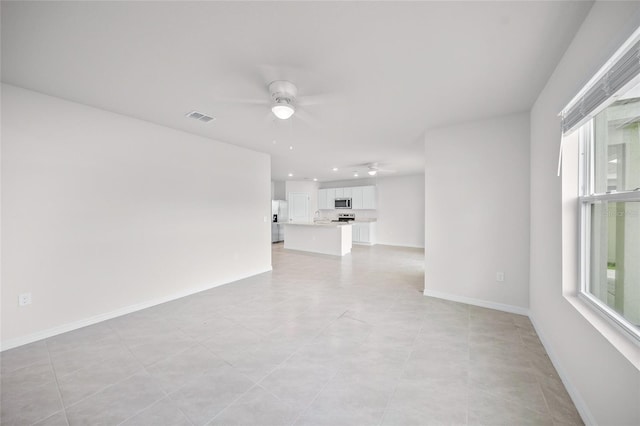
(372, 172)
(283, 110)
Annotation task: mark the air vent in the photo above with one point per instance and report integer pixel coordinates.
(200, 116)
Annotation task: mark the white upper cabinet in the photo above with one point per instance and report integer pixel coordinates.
(322, 200)
(362, 197)
(331, 197)
(356, 198)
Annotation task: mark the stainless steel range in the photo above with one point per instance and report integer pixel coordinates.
(345, 217)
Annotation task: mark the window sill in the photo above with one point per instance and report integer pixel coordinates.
(612, 332)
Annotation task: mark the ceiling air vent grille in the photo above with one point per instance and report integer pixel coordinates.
(200, 116)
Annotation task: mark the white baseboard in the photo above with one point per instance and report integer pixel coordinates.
(400, 245)
(581, 405)
(44, 334)
(478, 302)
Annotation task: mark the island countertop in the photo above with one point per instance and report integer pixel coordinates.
(333, 224)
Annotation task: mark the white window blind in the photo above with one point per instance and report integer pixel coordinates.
(621, 71)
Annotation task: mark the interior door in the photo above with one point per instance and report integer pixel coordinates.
(299, 207)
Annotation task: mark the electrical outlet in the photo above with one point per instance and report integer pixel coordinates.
(24, 299)
(500, 276)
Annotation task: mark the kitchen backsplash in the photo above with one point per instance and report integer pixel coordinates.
(360, 214)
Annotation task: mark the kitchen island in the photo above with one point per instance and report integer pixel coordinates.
(326, 238)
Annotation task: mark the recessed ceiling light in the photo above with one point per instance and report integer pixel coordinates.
(290, 174)
(290, 147)
(614, 161)
(335, 169)
(315, 179)
(274, 141)
(355, 174)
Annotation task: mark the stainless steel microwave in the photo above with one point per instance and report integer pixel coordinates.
(342, 203)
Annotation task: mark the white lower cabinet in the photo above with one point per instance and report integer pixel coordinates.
(364, 233)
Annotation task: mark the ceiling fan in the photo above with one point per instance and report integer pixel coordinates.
(284, 98)
(373, 168)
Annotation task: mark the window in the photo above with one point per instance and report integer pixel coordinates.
(610, 210)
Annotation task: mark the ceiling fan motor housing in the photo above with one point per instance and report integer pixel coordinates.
(283, 92)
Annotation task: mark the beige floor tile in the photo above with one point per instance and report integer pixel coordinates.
(320, 340)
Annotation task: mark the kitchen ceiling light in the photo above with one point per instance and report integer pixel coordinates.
(290, 174)
(315, 179)
(283, 109)
(355, 174)
(335, 169)
(372, 172)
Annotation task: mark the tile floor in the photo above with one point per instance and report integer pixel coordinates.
(319, 341)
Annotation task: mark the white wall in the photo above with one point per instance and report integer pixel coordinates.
(350, 183)
(604, 384)
(102, 213)
(477, 212)
(401, 211)
(278, 190)
(309, 187)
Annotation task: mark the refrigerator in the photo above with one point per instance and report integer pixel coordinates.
(279, 215)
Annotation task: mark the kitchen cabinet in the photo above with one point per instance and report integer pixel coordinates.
(322, 200)
(331, 196)
(362, 197)
(364, 233)
(356, 198)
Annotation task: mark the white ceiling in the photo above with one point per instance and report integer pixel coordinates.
(393, 68)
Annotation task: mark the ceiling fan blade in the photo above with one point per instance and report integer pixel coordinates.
(269, 118)
(306, 118)
(321, 99)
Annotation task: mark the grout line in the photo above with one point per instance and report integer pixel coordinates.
(55, 377)
(144, 368)
(126, 347)
(395, 387)
(270, 371)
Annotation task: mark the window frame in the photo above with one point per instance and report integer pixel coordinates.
(586, 199)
